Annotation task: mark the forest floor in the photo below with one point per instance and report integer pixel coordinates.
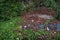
(42, 19)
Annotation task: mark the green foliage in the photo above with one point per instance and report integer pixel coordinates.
(29, 34)
(50, 3)
(7, 35)
(10, 9)
(57, 36)
(7, 29)
(58, 13)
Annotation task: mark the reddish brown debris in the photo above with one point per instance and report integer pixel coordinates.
(42, 10)
(33, 18)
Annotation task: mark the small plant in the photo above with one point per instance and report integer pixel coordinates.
(7, 29)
